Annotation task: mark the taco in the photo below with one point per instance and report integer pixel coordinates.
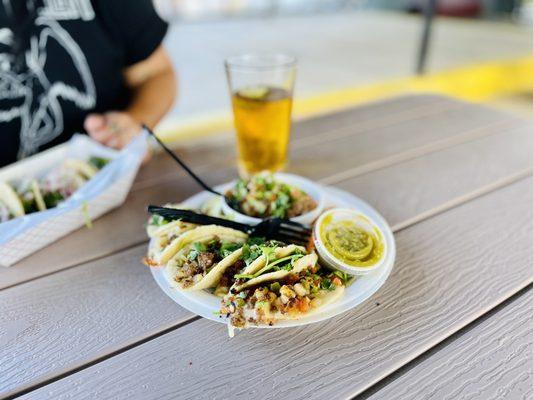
(202, 234)
(298, 289)
(10, 204)
(163, 232)
(31, 196)
(81, 167)
(276, 261)
(59, 184)
(201, 256)
(158, 226)
(256, 254)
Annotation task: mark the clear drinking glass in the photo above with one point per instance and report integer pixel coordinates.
(261, 87)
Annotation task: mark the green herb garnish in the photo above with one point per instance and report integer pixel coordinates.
(157, 220)
(227, 248)
(52, 199)
(98, 162)
(275, 287)
(199, 247)
(327, 284)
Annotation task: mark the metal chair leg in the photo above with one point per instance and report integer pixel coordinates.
(429, 14)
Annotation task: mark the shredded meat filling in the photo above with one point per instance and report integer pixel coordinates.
(191, 268)
(301, 205)
(227, 278)
(206, 260)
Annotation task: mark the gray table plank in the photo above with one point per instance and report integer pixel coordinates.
(492, 361)
(393, 110)
(199, 152)
(365, 150)
(441, 185)
(317, 130)
(65, 320)
(448, 273)
(456, 172)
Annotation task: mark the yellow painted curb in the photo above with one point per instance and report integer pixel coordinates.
(480, 82)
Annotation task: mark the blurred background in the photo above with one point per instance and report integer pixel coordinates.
(351, 52)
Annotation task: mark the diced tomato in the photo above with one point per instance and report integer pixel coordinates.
(337, 281)
(302, 304)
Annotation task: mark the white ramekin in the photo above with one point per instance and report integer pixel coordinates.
(328, 260)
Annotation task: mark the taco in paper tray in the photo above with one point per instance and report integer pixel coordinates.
(289, 287)
(60, 183)
(30, 195)
(10, 204)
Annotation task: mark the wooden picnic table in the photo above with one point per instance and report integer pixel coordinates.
(84, 319)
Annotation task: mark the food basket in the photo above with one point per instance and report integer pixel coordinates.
(23, 236)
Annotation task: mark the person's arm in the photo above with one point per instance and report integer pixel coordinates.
(153, 86)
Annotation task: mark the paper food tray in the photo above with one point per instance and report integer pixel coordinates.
(23, 236)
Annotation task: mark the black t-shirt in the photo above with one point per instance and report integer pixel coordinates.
(62, 59)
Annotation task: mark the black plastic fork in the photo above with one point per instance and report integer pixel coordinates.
(271, 228)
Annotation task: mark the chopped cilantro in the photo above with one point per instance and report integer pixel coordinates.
(199, 247)
(250, 253)
(98, 162)
(326, 284)
(157, 220)
(256, 240)
(193, 254)
(52, 199)
(343, 276)
(227, 248)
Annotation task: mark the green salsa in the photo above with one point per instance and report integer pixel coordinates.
(350, 243)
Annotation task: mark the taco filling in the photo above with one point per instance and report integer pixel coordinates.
(5, 212)
(31, 195)
(10, 204)
(301, 290)
(198, 258)
(262, 196)
(162, 231)
(203, 260)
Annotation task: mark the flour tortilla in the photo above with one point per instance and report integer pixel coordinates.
(200, 234)
(300, 265)
(11, 200)
(81, 167)
(37, 195)
(211, 279)
(161, 235)
(279, 252)
(175, 228)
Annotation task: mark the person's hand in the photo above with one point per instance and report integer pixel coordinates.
(114, 129)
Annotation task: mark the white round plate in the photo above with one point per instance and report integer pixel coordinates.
(207, 305)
